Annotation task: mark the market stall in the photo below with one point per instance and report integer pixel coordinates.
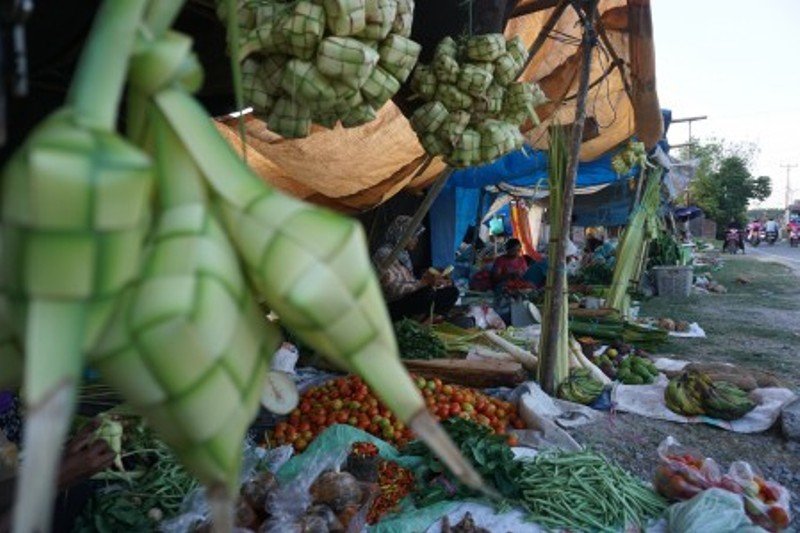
(197, 350)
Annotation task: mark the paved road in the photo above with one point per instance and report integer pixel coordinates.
(781, 251)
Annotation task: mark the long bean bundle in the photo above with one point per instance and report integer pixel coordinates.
(584, 491)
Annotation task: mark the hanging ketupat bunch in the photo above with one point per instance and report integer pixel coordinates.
(158, 301)
(633, 155)
(323, 61)
(474, 105)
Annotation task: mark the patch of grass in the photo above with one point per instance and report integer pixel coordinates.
(754, 324)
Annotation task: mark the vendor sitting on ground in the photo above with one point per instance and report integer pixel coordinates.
(407, 296)
(511, 265)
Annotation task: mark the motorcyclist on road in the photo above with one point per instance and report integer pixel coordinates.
(735, 225)
(753, 229)
(772, 226)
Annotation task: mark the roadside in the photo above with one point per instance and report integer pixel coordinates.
(754, 325)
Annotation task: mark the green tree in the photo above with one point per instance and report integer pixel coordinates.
(723, 185)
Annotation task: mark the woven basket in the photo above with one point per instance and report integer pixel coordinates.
(673, 281)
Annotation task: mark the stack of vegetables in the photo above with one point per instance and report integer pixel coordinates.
(694, 393)
(347, 400)
(642, 227)
(580, 387)
(417, 341)
(157, 289)
(322, 62)
(614, 328)
(474, 106)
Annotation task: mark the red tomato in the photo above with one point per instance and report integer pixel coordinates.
(455, 408)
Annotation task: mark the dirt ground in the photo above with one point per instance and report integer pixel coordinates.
(754, 325)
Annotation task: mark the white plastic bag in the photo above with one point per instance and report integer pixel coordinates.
(711, 511)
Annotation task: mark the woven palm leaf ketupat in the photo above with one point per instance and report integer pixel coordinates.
(312, 267)
(74, 215)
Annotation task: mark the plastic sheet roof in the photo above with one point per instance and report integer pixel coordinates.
(355, 169)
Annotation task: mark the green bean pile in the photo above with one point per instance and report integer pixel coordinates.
(584, 491)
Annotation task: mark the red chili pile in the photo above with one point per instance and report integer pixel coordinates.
(348, 400)
(395, 483)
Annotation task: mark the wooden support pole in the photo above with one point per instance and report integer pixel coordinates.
(544, 33)
(587, 12)
(416, 220)
(616, 60)
(533, 7)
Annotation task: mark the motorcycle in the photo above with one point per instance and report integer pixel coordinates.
(731, 244)
(754, 238)
(794, 237)
(771, 237)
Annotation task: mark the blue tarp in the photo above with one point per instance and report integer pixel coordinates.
(456, 208)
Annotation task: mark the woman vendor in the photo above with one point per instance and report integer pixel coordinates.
(511, 265)
(406, 295)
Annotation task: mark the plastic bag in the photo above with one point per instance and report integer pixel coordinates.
(766, 502)
(683, 472)
(712, 511)
(486, 317)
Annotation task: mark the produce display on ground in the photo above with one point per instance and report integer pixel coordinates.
(348, 400)
(693, 393)
(575, 490)
(307, 62)
(621, 361)
(580, 387)
(474, 106)
(418, 341)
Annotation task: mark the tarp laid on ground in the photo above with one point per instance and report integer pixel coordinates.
(648, 400)
(355, 169)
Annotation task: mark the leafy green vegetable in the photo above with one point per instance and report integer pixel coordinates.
(417, 341)
(489, 454)
(156, 481)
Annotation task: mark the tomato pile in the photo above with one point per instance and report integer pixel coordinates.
(395, 483)
(348, 400)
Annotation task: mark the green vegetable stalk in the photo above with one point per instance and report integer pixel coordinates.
(633, 242)
(558, 158)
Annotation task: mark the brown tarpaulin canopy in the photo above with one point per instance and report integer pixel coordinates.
(355, 169)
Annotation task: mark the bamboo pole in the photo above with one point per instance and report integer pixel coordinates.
(416, 220)
(558, 263)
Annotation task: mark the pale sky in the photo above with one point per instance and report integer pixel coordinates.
(738, 62)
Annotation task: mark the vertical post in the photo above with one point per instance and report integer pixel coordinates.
(416, 220)
(586, 10)
(787, 198)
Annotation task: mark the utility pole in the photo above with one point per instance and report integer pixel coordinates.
(689, 120)
(689, 144)
(787, 201)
